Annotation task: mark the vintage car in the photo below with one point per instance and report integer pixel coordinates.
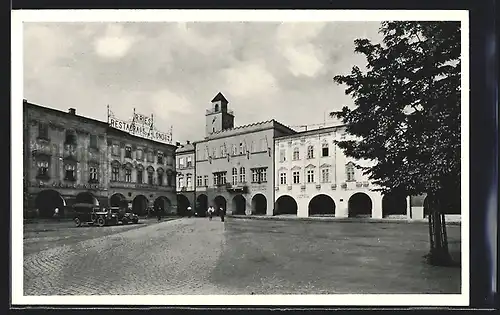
(124, 215)
(91, 214)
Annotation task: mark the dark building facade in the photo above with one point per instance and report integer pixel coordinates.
(70, 159)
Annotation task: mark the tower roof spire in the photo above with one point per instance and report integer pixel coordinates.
(219, 97)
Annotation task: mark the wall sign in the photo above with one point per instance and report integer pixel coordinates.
(140, 126)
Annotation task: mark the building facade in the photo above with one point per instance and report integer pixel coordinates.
(70, 159)
(185, 176)
(314, 177)
(235, 165)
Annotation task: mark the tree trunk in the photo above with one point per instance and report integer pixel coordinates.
(439, 254)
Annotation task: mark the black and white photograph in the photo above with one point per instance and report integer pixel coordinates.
(240, 157)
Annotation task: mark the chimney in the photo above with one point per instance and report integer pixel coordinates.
(187, 142)
(177, 144)
(72, 111)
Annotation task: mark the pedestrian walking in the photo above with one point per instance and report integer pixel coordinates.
(222, 213)
(158, 213)
(210, 212)
(189, 212)
(56, 214)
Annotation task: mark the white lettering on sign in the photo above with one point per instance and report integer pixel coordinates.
(142, 126)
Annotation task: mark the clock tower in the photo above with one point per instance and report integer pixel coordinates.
(218, 118)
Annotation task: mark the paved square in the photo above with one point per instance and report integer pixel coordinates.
(240, 256)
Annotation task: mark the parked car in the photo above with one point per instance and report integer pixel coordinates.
(90, 214)
(124, 215)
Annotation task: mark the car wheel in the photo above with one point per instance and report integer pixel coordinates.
(78, 223)
(136, 221)
(124, 221)
(100, 221)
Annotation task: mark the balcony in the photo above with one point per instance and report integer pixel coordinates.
(333, 186)
(69, 151)
(318, 186)
(41, 149)
(238, 188)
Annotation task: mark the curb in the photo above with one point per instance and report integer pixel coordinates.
(340, 220)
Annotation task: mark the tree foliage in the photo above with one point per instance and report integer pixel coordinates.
(407, 108)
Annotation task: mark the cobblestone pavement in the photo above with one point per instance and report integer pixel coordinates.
(241, 256)
(174, 257)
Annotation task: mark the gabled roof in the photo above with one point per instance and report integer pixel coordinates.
(219, 97)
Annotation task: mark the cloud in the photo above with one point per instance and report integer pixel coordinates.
(249, 79)
(166, 102)
(114, 44)
(297, 47)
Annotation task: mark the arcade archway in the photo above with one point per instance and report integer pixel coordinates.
(163, 204)
(259, 204)
(394, 204)
(201, 204)
(118, 200)
(220, 202)
(286, 205)
(87, 197)
(140, 205)
(321, 205)
(239, 205)
(360, 206)
(182, 204)
(47, 201)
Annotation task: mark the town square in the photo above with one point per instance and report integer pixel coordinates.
(242, 158)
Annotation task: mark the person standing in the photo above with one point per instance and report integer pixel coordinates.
(56, 214)
(210, 212)
(222, 213)
(158, 213)
(189, 212)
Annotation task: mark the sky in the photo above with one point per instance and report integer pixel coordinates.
(266, 70)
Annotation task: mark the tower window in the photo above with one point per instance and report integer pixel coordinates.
(216, 107)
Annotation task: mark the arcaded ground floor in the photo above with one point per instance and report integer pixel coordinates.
(239, 256)
(43, 202)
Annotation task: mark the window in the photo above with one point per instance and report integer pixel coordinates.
(222, 151)
(242, 175)
(128, 152)
(199, 181)
(189, 162)
(324, 150)
(70, 172)
(43, 169)
(92, 174)
(128, 175)
(219, 178)
(296, 177)
(115, 173)
(43, 131)
(140, 176)
(181, 182)
(349, 170)
(310, 176)
(170, 160)
(259, 175)
(139, 154)
(310, 152)
(159, 158)
(160, 179)
(150, 176)
(70, 137)
(325, 175)
(296, 154)
(283, 178)
(263, 144)
(189, 182)
(169, 178)
(181, 162)
(235, 149)
(115, 149)
(282, 155)
(241, 147)
(235, 176)
(150, 156)
(93, 142)
(205, 180)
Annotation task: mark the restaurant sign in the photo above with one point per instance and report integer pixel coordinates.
(140, 126)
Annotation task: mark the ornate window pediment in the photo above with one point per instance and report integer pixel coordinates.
(325, 165)
(283, 169)
(160, 170)
(310, 166)
(115, 163)
(150, 169)
(296, 168)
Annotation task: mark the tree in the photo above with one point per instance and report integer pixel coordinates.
(406, 117)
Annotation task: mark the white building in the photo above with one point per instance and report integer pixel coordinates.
(314, 177)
